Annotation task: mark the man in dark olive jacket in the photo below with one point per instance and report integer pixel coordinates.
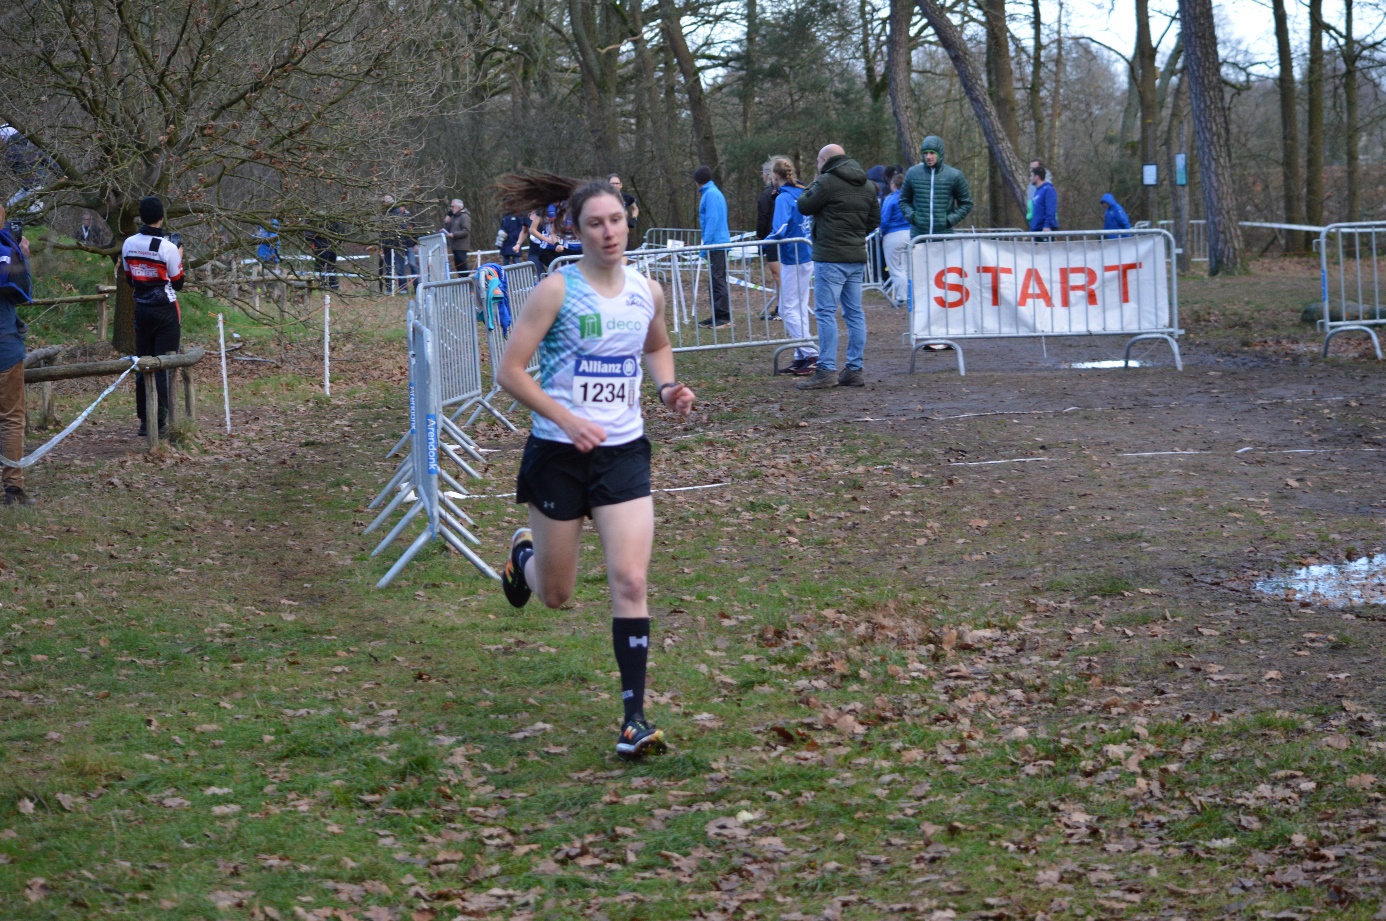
(935, 197)
(844, 208)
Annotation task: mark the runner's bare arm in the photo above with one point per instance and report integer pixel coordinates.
(541, 309)
(659, 358)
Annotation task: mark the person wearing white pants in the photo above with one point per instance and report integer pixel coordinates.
(796, 265)
(895, 243)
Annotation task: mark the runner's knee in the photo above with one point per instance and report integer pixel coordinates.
(629, 586)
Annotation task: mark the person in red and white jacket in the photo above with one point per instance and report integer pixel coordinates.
(153, 266)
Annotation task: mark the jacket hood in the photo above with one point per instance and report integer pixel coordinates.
(1110, 199)
(793, 191)
(932, 142)
(876, 174)
(846, 169)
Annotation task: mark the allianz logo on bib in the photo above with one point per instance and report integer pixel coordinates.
(601, 367)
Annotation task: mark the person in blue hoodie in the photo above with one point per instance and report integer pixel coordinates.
(712, 219)
(796, 264)
(895, 244)
(1046, 201)
(1115, 217)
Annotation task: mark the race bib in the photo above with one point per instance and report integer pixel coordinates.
(606, 380)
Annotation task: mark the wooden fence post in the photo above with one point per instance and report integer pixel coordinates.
(151, 408)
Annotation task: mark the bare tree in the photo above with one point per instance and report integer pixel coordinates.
(899, 49)
(1146, 75)
(1203, 70)
(1313, 90)
(233, 111)
(1289, 124)
(698, 108)
(1001, 89)
(974, 86)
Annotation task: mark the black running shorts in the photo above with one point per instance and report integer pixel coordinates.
(563, 483)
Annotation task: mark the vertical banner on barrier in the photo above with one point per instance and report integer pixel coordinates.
(431, 433)
(326, 344)
(225, 389)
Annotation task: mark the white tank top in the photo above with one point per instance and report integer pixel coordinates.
(589, 361)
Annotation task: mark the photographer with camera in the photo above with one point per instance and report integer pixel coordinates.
(153, 265)
(16, 288)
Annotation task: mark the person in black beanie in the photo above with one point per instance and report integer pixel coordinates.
(153, 266)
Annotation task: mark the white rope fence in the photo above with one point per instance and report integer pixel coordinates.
(38, 455)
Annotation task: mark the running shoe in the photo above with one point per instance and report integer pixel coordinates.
(638, 739)
(517, 590)
(793, 367)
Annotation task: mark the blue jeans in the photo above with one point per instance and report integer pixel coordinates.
(839, 284)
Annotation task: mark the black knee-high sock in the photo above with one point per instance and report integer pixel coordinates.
(630, 636)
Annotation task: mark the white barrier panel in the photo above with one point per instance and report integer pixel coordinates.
(1350, 270)
(1071, 283)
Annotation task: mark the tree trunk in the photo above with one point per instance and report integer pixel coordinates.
(1146, 76)
(1037, 76)
(975, 87)
(1289, 126)
(1055, 97)
(1176, 142)
(1204, 73)
(748, 77)
(678, 190)
(598, 67)
(1313, 88)
(657, 136)
(1001, 89)
(693, 85)
(1350, 116)
(898, 73)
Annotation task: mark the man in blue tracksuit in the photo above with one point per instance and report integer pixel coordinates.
(1046, 202)
(712, 218)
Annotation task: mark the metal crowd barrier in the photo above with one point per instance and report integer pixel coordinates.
(875, 279)
(520, 280)
(660, 237)
(416, 483)
(1350, 270)
(1060, 283)
(685, 274)
(448, 310)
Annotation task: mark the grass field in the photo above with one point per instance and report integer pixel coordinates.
(899, 680)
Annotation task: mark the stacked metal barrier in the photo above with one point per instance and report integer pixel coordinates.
(1350, 269)
(444, 371)
(416, 483)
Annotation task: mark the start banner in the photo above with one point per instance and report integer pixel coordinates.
(1069, 285)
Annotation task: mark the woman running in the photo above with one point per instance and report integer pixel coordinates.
(587, 453)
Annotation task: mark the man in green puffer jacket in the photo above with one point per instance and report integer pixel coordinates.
(935, 197)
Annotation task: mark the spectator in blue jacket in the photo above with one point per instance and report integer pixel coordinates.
(1115, 217)
(895, 244)
(796, 264)
(1046, 213)
(16, 288)
(712, 218)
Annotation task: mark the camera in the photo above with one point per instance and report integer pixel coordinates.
(16, 229)
(176, 239)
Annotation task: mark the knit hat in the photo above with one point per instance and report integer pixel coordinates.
(151, 209)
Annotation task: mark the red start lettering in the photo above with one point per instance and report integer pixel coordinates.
(955, 293)
(1067, 285)
(1032, 288)
(1125, 269)
(994, 272)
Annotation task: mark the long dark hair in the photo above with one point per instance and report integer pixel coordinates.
(534, 190)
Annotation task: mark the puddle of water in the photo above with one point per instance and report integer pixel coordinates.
(1338, 584)
(1105, 363)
